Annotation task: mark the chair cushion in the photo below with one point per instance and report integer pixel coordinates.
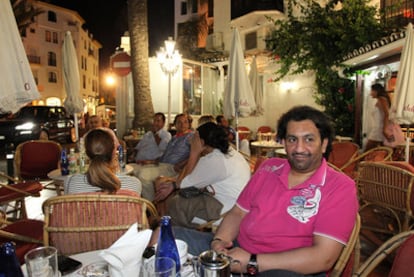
(26, 227)
(38, 159)
(7, 194)
(403, 263)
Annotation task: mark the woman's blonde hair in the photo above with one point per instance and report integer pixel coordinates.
(99, 146)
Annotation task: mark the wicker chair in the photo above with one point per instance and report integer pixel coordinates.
(13, 196)
(403, 262)
(377, 154)
(388, 189)
(26, 234)
(348, 261)
(34, 159)
(342, 153)
(85, 222)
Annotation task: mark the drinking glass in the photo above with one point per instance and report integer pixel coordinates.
(159, 267)
(42, 262)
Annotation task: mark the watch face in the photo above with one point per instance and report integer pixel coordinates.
(251, 269)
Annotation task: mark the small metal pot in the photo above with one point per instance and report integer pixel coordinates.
(211, 264)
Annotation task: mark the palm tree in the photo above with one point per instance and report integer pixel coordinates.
(138, 33)
(24, 12)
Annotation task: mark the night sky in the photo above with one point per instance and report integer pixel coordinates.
(107, 21)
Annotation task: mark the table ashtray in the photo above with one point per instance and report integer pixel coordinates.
(99, 269)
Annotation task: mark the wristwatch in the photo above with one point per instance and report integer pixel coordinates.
(252, 266)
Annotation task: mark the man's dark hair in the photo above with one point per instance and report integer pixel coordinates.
(320, 119)
(160, 114)
(219, 118)
(214, 136)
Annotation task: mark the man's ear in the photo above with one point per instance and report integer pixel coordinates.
(324, 145)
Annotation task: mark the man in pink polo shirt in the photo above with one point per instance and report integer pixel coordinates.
(295, 215)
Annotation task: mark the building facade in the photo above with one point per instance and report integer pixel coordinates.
(43, 42)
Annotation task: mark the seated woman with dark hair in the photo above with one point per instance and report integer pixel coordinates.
(103, 163)
(211, 162)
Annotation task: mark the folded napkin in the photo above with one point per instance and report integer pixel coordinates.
(124, 256)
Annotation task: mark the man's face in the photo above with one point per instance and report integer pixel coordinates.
(304, 147)
(224, 122)
(95, 122)
(182, 124)
(157, 123)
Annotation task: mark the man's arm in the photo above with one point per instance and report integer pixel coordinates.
(319, 257)
(228, 230)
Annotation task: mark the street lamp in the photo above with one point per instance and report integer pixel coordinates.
(169, 60)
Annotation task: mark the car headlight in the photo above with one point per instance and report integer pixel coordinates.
(25, 126)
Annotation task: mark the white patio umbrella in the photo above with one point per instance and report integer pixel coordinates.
(238, 93)
(17, 86)
(402, 109)
(257, 87)
(73, 102)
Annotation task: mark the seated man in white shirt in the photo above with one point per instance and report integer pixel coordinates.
(154, 142)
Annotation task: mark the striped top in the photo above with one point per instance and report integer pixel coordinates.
(78, 183)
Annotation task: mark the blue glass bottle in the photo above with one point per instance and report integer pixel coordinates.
(121, 157)
(166, 243)
(9, 265)
(64, 163)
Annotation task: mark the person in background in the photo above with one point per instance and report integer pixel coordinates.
(153, 144)
(379, 117)
(101, 174)
(222, 121)
(295, 215)
(212, 162)
(171, 162)
(205, 118)
(94, 122)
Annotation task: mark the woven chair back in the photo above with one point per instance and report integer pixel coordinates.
(85, 222)
(385, 185)
(342, 152)
(36, 158)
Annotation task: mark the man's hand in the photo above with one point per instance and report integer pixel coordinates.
(163, 188)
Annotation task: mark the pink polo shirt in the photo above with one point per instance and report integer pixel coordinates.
(280, 219)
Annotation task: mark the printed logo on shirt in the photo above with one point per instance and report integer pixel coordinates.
(305, 205)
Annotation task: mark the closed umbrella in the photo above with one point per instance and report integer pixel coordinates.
(238, 93)
(17, 86)
(257, 87)
(73, 102)
(402, 109)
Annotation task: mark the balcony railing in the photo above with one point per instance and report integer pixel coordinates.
(398, 12)
(33, 59)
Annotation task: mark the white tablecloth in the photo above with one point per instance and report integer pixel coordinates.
(88, 258)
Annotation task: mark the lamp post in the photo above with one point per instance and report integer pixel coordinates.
(169, 60)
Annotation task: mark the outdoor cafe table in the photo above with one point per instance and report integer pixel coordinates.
(266, 146)
(93, 257)
(59, 179)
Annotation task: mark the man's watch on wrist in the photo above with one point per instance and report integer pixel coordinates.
(252, 266)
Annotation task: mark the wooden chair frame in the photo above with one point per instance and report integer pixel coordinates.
(381, 253)
(389, 187)
(360, 157)
(350, 251)
(16, 203)
(92, 221)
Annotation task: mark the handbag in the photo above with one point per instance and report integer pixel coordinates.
(193, 202)
(397, 137)
(192, 191)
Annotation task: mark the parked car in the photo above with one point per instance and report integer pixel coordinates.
(30, 121)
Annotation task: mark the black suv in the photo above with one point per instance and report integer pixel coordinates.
(29, 121)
